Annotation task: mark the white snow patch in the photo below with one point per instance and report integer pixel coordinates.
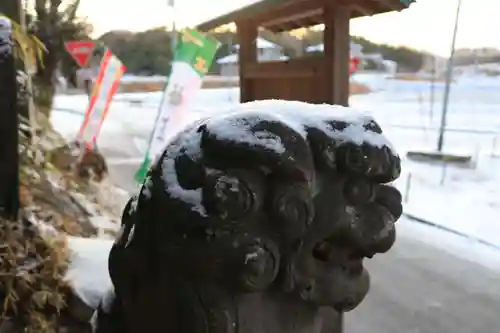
(46, 230)
(88, 268)
(234, 59)
(133, 204)
(261, 43)
(240, 130)
(103, 224)
(130, 236)
(297, 115)
(146, 188)
(107, 208)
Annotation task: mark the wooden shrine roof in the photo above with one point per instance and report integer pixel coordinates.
(286, 15)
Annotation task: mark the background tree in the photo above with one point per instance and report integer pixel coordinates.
(54, 23)
(146, 53)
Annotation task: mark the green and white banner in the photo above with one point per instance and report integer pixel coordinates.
(192, 60)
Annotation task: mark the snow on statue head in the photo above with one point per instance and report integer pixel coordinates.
(253, 220)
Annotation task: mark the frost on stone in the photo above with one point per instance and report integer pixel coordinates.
(146, 188)
(119, 235)
(5, 36)
(298, 116)
(21, 78)
(253, 126)
(133, 204)
(188, 144)
(240, 130)
(130, 236)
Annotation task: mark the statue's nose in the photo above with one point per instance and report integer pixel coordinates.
(375, 233)
(373, 230)
(390, 198)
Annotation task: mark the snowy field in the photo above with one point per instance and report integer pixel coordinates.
(463, 200)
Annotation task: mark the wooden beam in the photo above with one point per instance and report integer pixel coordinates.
(336, 53)
(288, 11)
(362, 10)
(292, 18)
(281, 70)
(385, 4)
(371, 7)
(268, 10)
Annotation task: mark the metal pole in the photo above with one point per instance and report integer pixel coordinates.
(171, 4)
(449, 72)
(476, 63)
(433, 80)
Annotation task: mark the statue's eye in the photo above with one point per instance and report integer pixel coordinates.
(357, 191)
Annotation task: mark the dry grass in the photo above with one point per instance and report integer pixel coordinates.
(32, 277)
(91, 167)
(52, 205)
(34, 258)
(213, 83)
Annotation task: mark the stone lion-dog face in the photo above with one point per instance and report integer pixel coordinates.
(281, 198)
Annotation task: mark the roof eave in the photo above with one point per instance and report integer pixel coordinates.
(258, 7)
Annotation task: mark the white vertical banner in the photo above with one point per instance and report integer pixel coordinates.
(108, 80)
(192, 60)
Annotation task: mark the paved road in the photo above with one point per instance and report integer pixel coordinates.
(430, 282)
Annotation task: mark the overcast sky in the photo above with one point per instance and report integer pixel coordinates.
(427, 25)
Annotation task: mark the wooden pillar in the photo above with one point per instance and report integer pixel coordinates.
(336, 53)
(9, 155)
(336, 44)
(247, 54)
(11, 8)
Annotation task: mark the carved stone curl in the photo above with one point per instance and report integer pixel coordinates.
(254, 221)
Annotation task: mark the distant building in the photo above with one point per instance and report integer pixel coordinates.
(434, 65)
(373, 61)
(266, 51)
(390, 66)
(355, 49)
(84, 78)
(479, 52)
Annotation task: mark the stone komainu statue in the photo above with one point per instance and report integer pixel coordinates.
(257, 220)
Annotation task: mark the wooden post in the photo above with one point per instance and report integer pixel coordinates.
(247, 54)
(11, 9)
(336, 52)
(9, 155)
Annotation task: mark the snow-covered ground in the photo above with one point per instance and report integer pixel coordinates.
(465, 200)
